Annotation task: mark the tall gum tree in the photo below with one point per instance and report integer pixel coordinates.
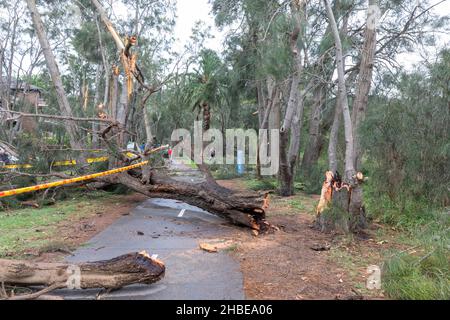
(347, 200)
(53, 69)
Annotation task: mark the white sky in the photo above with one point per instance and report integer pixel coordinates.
(190, 11)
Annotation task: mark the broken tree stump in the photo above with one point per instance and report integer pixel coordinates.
(115, 273)
(341, 207)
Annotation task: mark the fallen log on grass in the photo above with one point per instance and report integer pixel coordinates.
(132, 268)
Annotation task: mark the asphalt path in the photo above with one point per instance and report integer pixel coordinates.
(171, 231)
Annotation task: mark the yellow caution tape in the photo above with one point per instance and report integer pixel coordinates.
(16, 166)
(68, 181)
(62, 163)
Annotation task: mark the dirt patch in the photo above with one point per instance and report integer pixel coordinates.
(298, 262)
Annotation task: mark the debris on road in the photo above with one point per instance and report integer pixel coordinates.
(215, 245)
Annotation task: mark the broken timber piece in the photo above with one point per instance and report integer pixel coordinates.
(214, 246)
(118, 272)
(208, 247)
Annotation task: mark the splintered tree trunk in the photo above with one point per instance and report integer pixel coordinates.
(347, 207)
(122, 271)
(240, 208)
(340, 206)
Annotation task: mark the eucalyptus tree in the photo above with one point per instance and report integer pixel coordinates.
(53, 69)
(270, 35)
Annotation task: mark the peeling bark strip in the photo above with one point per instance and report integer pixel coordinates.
(122, 271)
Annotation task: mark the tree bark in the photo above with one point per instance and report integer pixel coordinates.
(55, 75)
(364, 84)
(122, 112)
(206, 109)
(342, 95)
(114, 93)
(268, 110)
(333, 141)
(240, 208)
(95, 126)
(315, 141)
(132, 268)
(11, 59)
(353, 200)
(294, 112)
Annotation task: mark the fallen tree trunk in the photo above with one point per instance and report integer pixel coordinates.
(241, 208)
(125, 270)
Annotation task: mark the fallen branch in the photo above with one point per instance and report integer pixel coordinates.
(35, 295)
(132, 268)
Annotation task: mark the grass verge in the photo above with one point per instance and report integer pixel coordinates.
(24, 230)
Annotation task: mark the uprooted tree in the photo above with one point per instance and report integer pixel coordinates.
(247, 210)
(244, 209)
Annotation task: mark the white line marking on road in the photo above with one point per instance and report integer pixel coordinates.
(181, 213)
(155, 256)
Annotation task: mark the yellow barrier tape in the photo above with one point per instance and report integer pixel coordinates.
(68, 181)
(62, 163)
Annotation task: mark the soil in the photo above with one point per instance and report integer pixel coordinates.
(298, 262)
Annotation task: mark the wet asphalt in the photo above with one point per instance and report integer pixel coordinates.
(172, 231)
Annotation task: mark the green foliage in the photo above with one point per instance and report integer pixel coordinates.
(404, 213)
(420, 277)
(262, 184)
(297, 204)
(313, 179)
(407, 141)
(224, 172)
(86, 42)
(206, 84)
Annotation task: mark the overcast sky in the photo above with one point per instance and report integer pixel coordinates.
(190, 11)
